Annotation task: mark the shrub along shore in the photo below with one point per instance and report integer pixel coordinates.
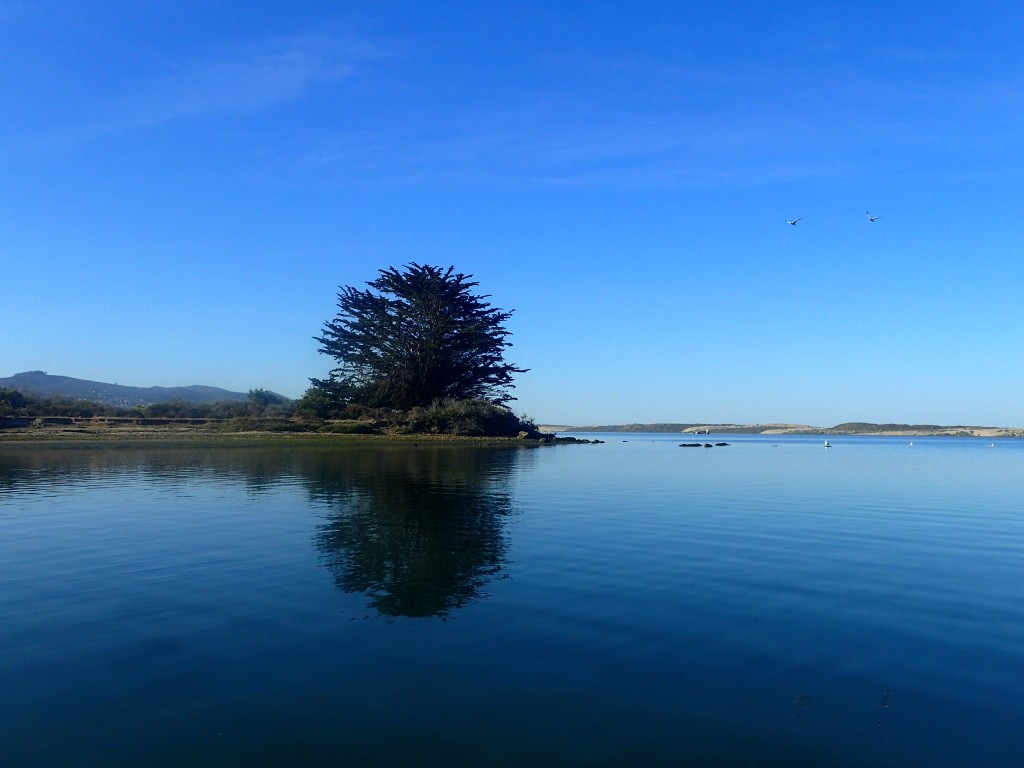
(473, 422)
(42, 417)
(107, 429)
(52, 429)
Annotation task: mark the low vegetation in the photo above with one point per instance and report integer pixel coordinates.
(469, 418)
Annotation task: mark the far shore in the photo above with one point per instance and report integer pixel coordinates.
(894, 430)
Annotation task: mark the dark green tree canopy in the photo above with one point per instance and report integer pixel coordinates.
(416, 336)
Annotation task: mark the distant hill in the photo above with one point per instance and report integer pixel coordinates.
(41, 384)
(692, 428)
(665, 427)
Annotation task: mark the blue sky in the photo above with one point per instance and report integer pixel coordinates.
(184, 186)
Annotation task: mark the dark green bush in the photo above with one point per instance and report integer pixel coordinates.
(470, 418)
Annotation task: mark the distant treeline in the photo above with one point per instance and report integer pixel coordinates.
(260, 403)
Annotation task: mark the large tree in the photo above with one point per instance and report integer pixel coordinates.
(416, 336)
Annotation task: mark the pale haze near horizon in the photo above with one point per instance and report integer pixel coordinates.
(185, 187)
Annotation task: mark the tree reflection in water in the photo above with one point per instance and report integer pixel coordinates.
(417, 529)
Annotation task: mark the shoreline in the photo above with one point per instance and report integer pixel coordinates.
(865, 429)
(85, 431)
(106, 432)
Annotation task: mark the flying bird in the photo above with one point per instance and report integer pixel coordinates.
(793, 222)
(872, 218)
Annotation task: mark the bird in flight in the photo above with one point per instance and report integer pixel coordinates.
(793, 222)
(872, 218)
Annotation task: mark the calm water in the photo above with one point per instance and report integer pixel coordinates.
(771, 602)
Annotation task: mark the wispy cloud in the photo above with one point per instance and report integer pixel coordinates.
(541, 145)
(754, 129)
(248, 78)
(916, 55)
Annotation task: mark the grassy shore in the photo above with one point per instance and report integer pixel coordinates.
(108, 430)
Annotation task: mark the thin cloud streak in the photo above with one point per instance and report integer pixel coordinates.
(530, 148)
(842, 119)
(251, 79)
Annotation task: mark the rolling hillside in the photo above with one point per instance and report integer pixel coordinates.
(41, 384)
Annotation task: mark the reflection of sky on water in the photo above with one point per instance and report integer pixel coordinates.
(184, 605)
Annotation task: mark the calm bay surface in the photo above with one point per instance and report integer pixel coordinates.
(769, 602)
